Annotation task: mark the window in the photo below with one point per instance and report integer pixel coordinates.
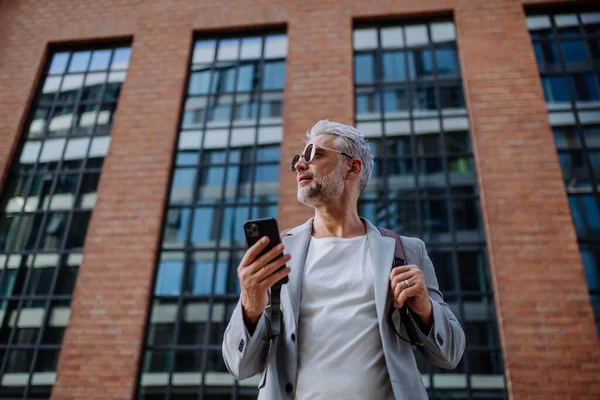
(45, 210)
(226, 171)
(410, 105)
(567, 51)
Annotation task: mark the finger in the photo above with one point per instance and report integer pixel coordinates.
(410, 275)
(399, 270)
(276, 277)
(405, 295)
(265, 259)
(253, 252)
(272, 267)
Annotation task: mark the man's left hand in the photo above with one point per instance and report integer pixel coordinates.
(408, 286)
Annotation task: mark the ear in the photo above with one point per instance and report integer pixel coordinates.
(355, 168)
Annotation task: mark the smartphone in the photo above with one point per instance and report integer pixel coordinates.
(255, 229)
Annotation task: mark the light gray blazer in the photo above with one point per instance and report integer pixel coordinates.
(246, 355)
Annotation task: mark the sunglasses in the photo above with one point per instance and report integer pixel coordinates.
(309, 154)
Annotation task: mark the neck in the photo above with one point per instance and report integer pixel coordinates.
(337, 220)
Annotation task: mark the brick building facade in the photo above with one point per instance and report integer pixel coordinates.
(541, 300)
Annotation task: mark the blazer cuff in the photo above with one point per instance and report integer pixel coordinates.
(433, 335)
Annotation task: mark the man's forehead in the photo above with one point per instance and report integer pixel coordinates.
(322, 140)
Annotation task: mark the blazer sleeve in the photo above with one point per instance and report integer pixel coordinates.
(245, 354)
(444, 344)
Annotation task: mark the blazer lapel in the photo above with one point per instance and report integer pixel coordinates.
(296, 244)
(382, 256)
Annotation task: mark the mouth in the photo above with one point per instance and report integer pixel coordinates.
(304, 178)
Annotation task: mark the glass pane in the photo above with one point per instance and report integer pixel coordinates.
(211, 185)
(365, 38)
(223, 80)
(444, 269)
(199, 82)
(546, 54)
(121, 58)
(51, 86)
(53, 232)
(592, 136)
(200, 275)
(428, 144)
(574, 52)
(367, 103)
(66, 279)
(575, 169)
(274, 75)
(420, 64)
(447, 61)
(157, 361)
(160, 333)
(251, 48)
(442, 32)
(19, 361)
(205, 224)
(590, 257)
(70, 87)
(566, 138)
(170, 272)
(395, 103)
(394, 67)
(555, 89)
(187, 361)
(47, 360)
(467, 220)
(276, 46)
(392, 37)
(204, 51)
(452, 100)
(228, 49)
(435, 217)
(364, 68)
(457, 142)
(182, 186)
(100, 60)
(93, 86)
(175, 229)
(232, 233)
(424, 99)
(586, 215)
(59, 63)
(404, 217)
(79, 61)
(247, 78)
(78, 229)
(87, 192)
(268, 153)
(584, 87)
(416, 35)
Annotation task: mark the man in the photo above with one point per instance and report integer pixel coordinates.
(337, 340)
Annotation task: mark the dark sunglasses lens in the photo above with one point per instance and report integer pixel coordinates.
(294, 162)
(308, 153)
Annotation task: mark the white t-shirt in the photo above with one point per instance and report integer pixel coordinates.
(340, 351)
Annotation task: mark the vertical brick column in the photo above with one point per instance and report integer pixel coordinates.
(318, 85)
(102, 344)
(548, 335)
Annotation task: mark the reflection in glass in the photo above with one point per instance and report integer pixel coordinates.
(170, 272)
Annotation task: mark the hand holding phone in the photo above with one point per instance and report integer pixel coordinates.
(262, 267)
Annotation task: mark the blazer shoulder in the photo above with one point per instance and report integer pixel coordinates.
(412, 242)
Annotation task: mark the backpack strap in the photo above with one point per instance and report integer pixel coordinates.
(399, 260)
(273, 321)
(399, 256)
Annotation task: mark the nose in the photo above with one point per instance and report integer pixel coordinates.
(301, 165)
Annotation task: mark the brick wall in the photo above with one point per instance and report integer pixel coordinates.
(549, 340)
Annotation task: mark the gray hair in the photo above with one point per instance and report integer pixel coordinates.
(349, 140)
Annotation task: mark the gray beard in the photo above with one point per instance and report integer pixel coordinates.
(323, 190)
